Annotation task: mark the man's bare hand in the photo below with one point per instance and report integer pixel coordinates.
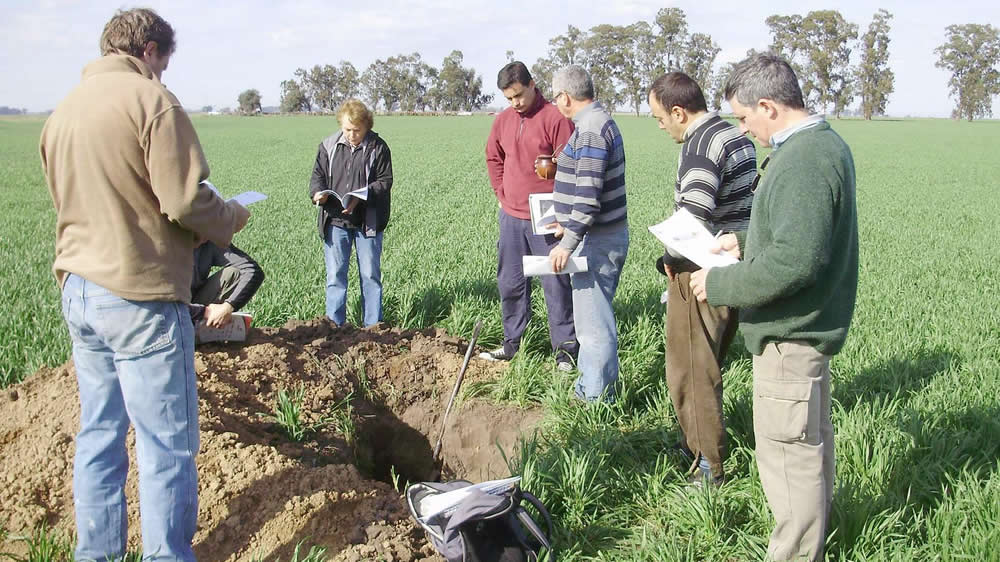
(698, 284)
(729, 244)
(217, 315)
(556, 228)
(320, 198)
(559, 257)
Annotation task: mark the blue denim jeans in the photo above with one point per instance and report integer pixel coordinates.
(337, 251)
(134, 363)
(605, 249)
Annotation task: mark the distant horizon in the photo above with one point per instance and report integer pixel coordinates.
(222, 52)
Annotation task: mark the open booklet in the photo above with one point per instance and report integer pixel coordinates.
(236, 330)
(435, 504)
(685, 234)
(246, 198)
(543, 213)
(361, 193)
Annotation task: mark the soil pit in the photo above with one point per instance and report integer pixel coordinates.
(261, 493)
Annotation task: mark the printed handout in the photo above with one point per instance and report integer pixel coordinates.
(688, 236)
(245, 198)
(543, 213)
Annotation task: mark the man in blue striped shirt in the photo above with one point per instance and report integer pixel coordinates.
(589, 198)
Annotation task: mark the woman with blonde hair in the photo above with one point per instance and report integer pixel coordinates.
(351, 182)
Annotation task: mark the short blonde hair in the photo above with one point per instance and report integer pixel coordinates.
(356, 112)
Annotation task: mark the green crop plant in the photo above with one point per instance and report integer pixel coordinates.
(288, 413)
(916, 396)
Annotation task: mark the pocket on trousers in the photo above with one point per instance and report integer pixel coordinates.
(786, 407)
(136, 328)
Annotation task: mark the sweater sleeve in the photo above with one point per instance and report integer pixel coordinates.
(800, 213)
(591, 163)
(176, 167)
(251, 275)
(495, 157)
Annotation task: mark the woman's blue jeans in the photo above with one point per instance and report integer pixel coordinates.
(337, 251)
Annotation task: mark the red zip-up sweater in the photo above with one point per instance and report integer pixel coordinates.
(515, 140)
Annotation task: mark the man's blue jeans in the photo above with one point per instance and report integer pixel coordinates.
(134, 363)
(337, 251)
(605, 249)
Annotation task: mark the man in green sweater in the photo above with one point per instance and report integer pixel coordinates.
(795, 288)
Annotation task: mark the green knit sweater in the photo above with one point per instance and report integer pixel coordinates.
(799, 274)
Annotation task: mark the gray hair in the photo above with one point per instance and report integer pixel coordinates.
(575, 81)
(764, 76)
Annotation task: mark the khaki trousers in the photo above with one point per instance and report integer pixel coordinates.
(696, 338)
(791, 422)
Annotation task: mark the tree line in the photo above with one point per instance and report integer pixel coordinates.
(835, 65)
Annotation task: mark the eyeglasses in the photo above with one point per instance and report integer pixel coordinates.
(760, 174)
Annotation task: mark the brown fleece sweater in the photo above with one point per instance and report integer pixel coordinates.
(123, 165)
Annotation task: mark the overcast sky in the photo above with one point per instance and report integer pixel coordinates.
(225, 48)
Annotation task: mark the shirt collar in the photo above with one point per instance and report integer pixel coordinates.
(592, 106)
(698, 123)
(364, 141)
(779, 138)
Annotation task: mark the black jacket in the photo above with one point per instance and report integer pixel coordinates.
(340, 169)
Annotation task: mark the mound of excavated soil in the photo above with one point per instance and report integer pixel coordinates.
(261, 493)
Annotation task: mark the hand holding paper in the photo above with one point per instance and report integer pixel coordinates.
(534, 266)
(686, 235)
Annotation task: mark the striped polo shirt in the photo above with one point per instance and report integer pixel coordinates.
(590, 176)
(715, 170)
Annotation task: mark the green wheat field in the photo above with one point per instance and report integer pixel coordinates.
(916, 390)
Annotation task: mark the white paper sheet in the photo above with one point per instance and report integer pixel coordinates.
(249, 198)
(245, 198)
(539, 265)
(687, 235)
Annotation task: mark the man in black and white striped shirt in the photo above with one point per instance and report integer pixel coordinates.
(715, 172)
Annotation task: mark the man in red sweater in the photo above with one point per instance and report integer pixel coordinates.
(530, 127)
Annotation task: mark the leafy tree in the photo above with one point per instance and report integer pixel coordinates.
(716, 91)
(701, 53)
(828, 37)
(818, 48)
(408, 80)
(606, 53)
(673, 36)
(648, 56)
(971, 54)
(510, 56)
(293, 97)
(206, 109)
(563, 50)
(875, 79)
(249, 102)
(375, 85)
(457, 88)
(327, 86)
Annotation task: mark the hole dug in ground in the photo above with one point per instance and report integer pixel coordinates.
(260, 493)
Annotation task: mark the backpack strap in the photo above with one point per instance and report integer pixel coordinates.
(529, 522)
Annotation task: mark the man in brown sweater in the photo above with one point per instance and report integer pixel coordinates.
(124, 168)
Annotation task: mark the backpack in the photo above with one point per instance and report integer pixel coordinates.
(483, 526)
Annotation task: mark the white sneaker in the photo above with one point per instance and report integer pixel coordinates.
(496, 355)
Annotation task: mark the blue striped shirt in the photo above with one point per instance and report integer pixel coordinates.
(590, 176)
